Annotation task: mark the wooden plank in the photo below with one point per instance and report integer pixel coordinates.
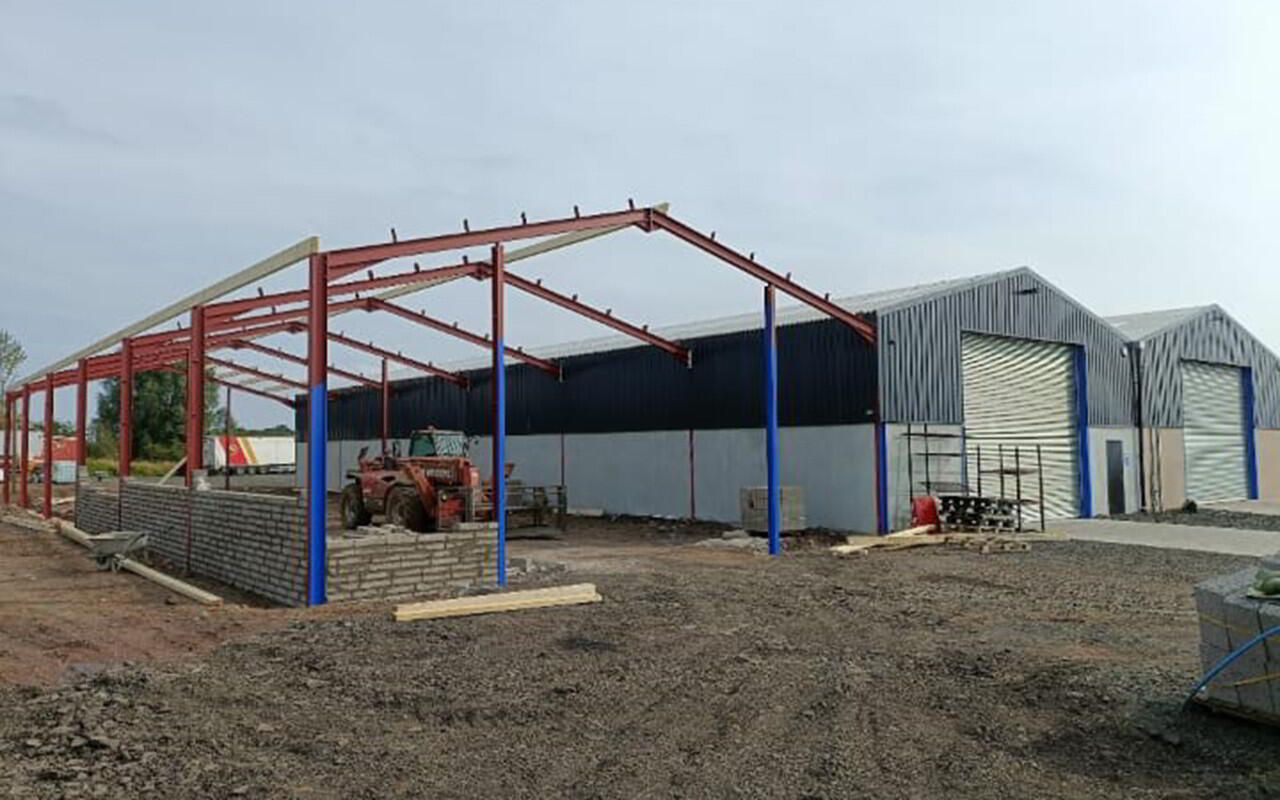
(505, 601)
(916, 531)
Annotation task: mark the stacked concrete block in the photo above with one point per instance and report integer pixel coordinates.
(97, 509)
(753, 504)
(1229, 619)
(383, 564)
(251, 541)
(164, 513)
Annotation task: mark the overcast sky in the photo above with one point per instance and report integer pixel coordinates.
(1125, 150)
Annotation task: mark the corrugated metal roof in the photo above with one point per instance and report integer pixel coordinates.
(1146, 324)
(787, 315)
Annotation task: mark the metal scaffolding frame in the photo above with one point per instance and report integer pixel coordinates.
(217, 325)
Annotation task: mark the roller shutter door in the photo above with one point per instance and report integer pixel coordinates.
(1020, 394)
(1213, 431)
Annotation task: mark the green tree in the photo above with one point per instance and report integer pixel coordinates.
(11, 357)
(159, 414)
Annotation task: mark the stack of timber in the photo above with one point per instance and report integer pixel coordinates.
(926, 535)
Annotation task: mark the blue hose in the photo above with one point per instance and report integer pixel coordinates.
(1226, 662)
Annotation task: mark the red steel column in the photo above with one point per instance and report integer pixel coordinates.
(126, 407)
(195, 395)
(48, 445)
(25, 443)
(82, 412)
(8, 445)
(226, 446)
(386, 407)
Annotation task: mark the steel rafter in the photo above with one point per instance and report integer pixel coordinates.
(428, 367)
(231, 308)
(452, 329)
(237, 386)
(606, 317)
(657, 219)
(280, 379)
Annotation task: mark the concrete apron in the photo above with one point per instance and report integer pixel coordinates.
(1267, 507)
(1231, 541)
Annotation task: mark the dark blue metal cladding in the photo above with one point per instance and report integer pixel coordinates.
(826, 376)
(920, 366)
(1215, 338)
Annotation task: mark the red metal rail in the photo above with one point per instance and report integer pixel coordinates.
(231, 308)
(257, 373)
(428, 367)
(549, 367)
(606, 317)
(748, 265)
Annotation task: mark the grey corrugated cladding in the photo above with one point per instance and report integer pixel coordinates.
(919, 341)
(1203, 334)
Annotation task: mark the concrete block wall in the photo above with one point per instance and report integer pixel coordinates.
(164, 512)
(97, 508)
(385, 565)
(253, 542)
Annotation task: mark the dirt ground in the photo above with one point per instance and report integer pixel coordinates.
(62, 619)
(704, 673)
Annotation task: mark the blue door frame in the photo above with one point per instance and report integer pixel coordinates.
(1082, 432)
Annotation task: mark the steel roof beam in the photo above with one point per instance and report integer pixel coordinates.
(232, 308)
(657, 219)
(549, 367)
(641, 332)
(268, 266)
(428, 367)
(280, 379)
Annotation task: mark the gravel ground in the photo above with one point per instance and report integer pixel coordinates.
(705, 673)
(1211, 518)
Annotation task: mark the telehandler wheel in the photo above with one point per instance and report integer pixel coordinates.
(404, 508)
(354, 514)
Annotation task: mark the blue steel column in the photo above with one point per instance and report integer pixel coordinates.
(771, 423)
(318, 430)
(499, 412)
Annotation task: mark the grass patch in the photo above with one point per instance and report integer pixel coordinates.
(141, 469)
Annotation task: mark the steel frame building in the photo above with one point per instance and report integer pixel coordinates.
(851, 407)
(217, 324)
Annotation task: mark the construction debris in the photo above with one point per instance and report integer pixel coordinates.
(504, 601)
(920, 537)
